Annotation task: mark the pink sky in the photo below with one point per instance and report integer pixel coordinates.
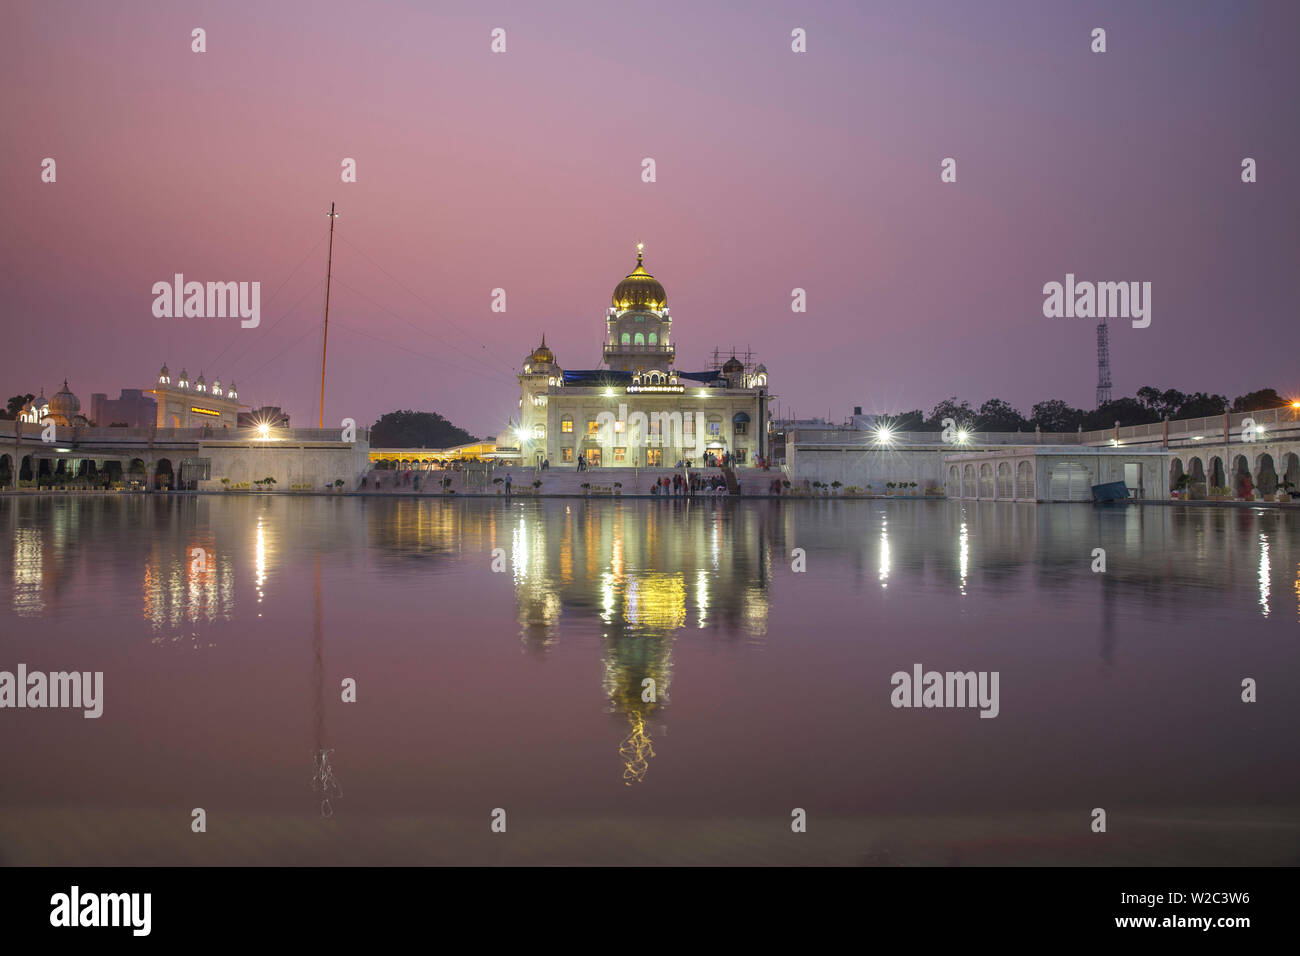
(775, 170)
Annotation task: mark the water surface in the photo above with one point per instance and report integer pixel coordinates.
(523, 688)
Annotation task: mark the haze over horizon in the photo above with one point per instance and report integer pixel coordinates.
(775, 170)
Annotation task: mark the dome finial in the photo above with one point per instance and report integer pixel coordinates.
(640, 252)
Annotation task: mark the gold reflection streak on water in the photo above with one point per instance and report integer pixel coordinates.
(566, 549)
(1296, 586)
(702, 596)
(607, 597)
(656, 601)
(636, 751)
(884, 554)
(519, 550)
(963, 555)
(1264, 587)
(260, 561)
(28, 566)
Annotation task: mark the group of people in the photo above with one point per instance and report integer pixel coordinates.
(694, 485)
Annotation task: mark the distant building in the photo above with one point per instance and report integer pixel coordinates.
(35, 411)
(63, 409)
(266, 415)
(132, 408)
(186, 404)
(863, 422)
(780, 430)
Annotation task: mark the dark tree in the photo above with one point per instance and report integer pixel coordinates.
(16, 404)
(1164, 404)
(1055, 415)
(995, 415)
(1200, 405)
(1126, 411)
(408, 429)
(1250, 402)
(960, 412)
(913, 421)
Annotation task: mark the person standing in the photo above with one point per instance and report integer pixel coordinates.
(508, 480)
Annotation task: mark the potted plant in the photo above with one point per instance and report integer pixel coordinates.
(913, 484)
(338, 484)
(618, 488)
(1181, 486)
(586, 488)
(537, 486)
(225, 484)
(889, 489)
(836, 486)
(497, 482)
(1284, 491)
(268, 481)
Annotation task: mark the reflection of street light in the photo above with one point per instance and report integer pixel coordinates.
(263, 430)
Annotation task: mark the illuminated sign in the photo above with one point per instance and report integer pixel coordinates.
(672, 389)
(205, 411)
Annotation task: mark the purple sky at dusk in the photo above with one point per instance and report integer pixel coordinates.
(775, 170)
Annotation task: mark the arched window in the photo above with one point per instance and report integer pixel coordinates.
(653, 339)
(1024, 480)
(639, 340)
(1006, 486)
(627, 339)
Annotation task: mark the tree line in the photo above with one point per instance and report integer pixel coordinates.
(1150, 405)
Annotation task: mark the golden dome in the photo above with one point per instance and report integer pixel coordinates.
(640, 291)
(542, 355)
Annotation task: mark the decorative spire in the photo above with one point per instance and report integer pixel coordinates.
(640, 252)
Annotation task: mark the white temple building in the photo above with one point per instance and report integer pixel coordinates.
(638, 409)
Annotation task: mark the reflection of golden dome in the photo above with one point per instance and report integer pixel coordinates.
(640, 290)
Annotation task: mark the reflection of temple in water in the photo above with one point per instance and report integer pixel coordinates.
(645, 573)
(640, 571)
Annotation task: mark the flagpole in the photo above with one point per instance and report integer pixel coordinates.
(329, 266)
